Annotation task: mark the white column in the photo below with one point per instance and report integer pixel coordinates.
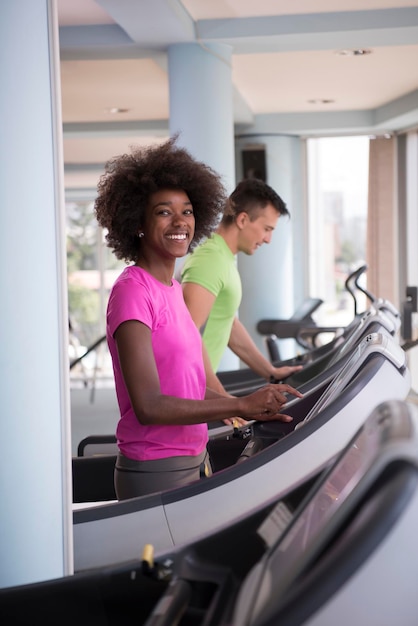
(201, 111)
(35, 452)
(201, 104)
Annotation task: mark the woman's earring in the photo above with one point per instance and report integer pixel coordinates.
(140, 234)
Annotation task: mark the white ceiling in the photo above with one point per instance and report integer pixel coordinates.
(285, 61)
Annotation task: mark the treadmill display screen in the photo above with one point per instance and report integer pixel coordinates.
(338, 383)
(356, 335)
(370, 318)
(328, 499)
(373, 342)
(310, 529)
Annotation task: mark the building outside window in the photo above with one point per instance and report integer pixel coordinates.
(92, 270)
(337, 212)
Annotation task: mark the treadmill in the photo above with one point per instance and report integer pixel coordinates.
(333, 558)
(329, 552)
(303, 329)
(93, 477)
(315, 364)
(275, 459)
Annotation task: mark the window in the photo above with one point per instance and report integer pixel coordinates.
(337, 196)
(92, 270)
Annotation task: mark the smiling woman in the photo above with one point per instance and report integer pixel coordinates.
(156, 204)
(167, 229)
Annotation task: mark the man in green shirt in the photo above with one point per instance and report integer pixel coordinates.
(212, 285)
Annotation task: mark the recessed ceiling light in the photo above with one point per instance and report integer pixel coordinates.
(116, 110)
(355, 52)
(321, 101)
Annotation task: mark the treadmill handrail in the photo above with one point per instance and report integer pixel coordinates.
(91, 348)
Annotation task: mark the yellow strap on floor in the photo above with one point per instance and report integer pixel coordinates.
(148, 555)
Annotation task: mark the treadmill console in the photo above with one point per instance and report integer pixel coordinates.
(295, 539)
(371, 316)
(374, 342)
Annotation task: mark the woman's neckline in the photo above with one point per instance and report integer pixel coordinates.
(160, 282)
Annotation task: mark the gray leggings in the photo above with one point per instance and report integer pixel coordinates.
(139, 478)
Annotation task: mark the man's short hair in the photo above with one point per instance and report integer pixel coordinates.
(251, 196)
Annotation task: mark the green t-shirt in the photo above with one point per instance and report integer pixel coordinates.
(213, 266)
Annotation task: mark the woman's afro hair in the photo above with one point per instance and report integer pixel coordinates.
(129, 180)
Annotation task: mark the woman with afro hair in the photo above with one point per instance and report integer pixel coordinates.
(156, 204)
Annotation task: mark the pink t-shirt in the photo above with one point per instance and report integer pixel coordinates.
(136, 295)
